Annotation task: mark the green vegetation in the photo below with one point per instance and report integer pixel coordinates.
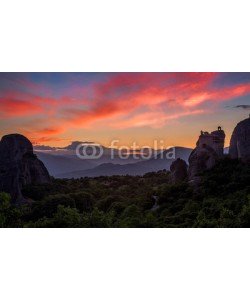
(222, 200)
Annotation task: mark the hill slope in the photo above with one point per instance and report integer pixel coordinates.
(57, 164)
(139, 168)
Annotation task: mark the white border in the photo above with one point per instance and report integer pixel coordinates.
(124, 264)
(131, 35)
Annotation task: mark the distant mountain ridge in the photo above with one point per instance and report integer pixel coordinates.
(57, 164)
(138, 168)
(63, 163)
(75, 144)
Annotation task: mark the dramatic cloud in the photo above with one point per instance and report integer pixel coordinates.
(50, 131)
(44, 140)
(154, 119)
(115, 100)
(243, 106)
(124, 94)
(14, 108)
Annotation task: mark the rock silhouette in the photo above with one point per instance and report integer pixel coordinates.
(19, 166)
(215, 140)
(178, 171)
(209, 148)
(240, 141)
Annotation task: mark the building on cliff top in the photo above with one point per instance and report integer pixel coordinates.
(215, 140)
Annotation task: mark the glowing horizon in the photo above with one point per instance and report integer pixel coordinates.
(57, 108)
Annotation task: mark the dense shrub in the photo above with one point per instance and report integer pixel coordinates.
(222, 200)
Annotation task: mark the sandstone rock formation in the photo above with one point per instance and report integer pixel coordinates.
(19, 166)
(178, 170)
(240, 141)
(209, 148)
(200, 160)
(215, 140)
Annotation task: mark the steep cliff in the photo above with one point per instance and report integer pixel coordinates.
(209, 149)
(178, 170)
(240, 141)
(19, 166)
(201, 159)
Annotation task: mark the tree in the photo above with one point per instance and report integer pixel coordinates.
(131, 217)
(67, 217)
(4, 208)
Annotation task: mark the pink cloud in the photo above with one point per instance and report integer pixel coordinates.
(123, 100)
(16, 108)
(154, 119)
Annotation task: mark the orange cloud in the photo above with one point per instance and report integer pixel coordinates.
(154, 119)
(49, 134)
(218, 95)
(16, 108)
(50, 131)
(121, 100)
(148, 91)
(42, 140)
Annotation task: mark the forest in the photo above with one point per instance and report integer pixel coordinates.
(221, 200)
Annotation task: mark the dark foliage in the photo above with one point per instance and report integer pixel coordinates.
(222, 200)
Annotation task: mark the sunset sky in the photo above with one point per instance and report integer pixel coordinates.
(57, 108)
